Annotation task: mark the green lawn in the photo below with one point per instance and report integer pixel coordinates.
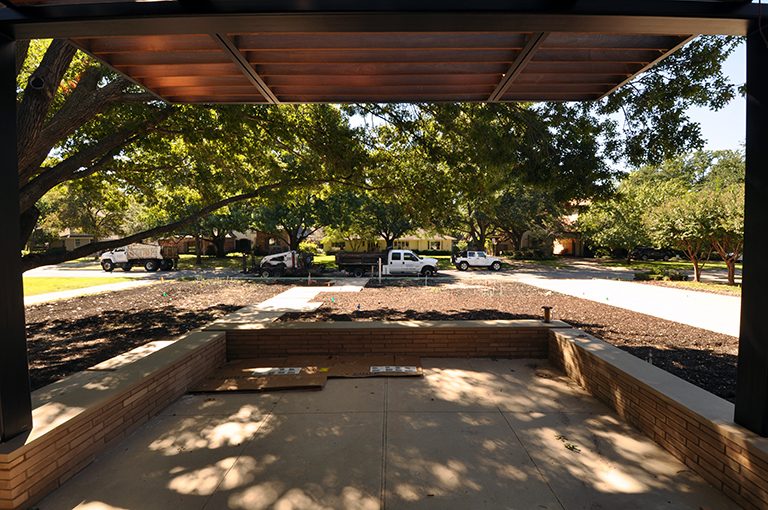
(232, 261)
(650, 265)
(717, 288)
(34, 285)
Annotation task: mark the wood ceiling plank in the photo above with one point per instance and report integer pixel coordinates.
(380, 69)
(383, 56)
(154, 43)
(167, 58)
(405, 98)
(571, 41)
(583, 68)
(390, 89)
(190, 81)
(380, 41)
(379, 79)
(597, 55)
(529, 77)
(147, 71)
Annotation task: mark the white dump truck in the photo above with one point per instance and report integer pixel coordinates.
(151, 256)
(393, 262)
(480, 259)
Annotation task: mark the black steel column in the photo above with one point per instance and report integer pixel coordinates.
(752, 379)
(15, 404)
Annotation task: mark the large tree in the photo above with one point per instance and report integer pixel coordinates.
(77, 119)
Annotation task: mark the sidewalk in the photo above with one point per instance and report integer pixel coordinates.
(713, 312)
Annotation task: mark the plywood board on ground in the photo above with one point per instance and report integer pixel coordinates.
(264, 375)
(302, 372)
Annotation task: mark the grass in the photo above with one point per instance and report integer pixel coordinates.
(716, 288)
(34, 285)
(649, 265)
(231, 261)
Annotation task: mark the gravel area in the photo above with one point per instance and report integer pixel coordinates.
(71, 335)
(704, 358)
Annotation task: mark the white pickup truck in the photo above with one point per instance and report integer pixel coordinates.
(393, 262)
(151, 256)
(480, 259)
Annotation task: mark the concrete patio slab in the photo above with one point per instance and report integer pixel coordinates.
(172, 462)
(338, 396)
(459, 438)
(598, 462)
(459, 461)
(312, 461)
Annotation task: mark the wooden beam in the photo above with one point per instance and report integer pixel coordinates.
(752, 370)
(15, 396)
(518, 65)
(248, 71)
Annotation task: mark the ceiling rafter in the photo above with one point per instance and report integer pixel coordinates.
(242, 63)
(518, 65)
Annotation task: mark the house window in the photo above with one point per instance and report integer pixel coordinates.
(434, 245)
(400, 245)
(77, 243)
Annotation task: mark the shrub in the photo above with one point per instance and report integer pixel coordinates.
(309, 247)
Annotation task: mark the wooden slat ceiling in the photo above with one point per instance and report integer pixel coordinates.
(383, 67)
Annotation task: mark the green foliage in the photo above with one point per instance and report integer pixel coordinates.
(309, 247)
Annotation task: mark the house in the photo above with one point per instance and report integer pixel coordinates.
(70, 240)
(420, 241)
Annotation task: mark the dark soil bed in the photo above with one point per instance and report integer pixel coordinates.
(704, 358)
(68, 336)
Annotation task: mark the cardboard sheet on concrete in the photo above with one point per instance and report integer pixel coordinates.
(261, 375)
(303, 372)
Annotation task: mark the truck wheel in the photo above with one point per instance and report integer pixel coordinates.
(265, 273)
(463, 266)
(166, 264)
(428, 271)
(151, 266)
(127, 267)
(358, 272)
(496, 266)
(107, 265)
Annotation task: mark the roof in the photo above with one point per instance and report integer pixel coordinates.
(337, 51)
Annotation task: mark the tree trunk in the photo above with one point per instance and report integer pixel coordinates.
(219, 241)
(198, 250)
(731, 265)
(696, 270)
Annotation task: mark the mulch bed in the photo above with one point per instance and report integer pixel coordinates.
(701, 357)
(68, 336)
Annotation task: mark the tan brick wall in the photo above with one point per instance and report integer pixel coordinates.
(443, 339)
(693, 425)
(31, 468)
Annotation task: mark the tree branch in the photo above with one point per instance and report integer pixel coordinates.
(40, 259)
(91, 159)
(39, 93)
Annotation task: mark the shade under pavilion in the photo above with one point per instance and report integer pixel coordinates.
(300, 51)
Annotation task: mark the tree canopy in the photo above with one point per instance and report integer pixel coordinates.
(97, 152)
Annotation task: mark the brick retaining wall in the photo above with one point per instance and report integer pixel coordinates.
(692, 424)
(464, 339)
(79, 416)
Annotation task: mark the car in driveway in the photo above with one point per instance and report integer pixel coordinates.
(479, 259)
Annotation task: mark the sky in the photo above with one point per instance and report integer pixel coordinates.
(726, 128)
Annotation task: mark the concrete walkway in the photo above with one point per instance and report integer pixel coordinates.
(96, 289)
(713, 312)
(470, 434)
